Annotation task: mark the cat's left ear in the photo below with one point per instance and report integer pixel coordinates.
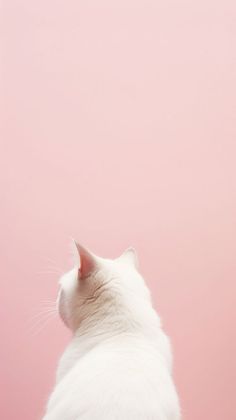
(130, 257)
(87, 261)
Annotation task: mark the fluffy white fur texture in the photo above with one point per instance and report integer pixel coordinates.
(118, 363)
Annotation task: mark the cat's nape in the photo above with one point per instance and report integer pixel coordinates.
(118, 363)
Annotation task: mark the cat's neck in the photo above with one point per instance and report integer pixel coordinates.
(101, 328)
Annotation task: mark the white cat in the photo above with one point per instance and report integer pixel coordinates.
(118, 363)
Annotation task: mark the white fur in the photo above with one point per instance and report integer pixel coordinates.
(118, 363)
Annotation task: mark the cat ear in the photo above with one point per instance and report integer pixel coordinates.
(87, 261)
(130, 256)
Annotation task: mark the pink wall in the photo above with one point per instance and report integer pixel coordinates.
(119, 129)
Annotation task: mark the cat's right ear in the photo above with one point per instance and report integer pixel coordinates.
(129, 256)
(87, 261)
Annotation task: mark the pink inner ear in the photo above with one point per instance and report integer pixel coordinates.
(87, 262)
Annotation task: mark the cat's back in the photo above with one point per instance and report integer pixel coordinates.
(117, 380)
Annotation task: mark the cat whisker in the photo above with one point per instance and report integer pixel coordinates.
(49, 304)
(40, 316)
(43, 325)
(47, 271)
(53, 264)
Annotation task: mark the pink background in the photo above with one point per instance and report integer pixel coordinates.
(119, 129)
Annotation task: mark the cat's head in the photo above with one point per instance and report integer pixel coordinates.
(97, 286)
